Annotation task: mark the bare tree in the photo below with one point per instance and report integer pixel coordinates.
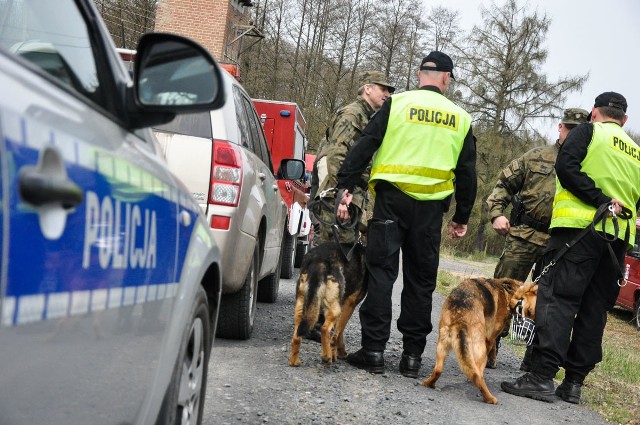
(443, 27)
(127, 20)
(504, 85)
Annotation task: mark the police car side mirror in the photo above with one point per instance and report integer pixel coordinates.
(291, 169)
(635, 251)
(173, 74)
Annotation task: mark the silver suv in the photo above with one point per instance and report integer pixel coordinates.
(223, 158)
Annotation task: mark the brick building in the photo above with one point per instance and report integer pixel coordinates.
(221, 26)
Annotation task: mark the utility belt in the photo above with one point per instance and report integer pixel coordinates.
(533, 223)
(518, 217)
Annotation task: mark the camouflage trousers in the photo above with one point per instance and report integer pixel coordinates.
(327, 216)
(518, 258)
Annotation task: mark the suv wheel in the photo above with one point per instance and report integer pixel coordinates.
(636, 313)
(238, 311)
(288, 254)
(268, 287)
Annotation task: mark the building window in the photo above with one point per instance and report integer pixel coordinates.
(239, 5)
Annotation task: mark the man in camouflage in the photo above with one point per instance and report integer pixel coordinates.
(529, 183)
(346, 127)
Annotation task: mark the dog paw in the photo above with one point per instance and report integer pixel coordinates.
(326, 361)
(429, 383)
(294, 362)
(491, 400)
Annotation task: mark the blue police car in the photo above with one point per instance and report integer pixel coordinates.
(109, 275)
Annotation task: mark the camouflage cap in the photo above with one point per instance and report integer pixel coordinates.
(574, 116)
(375, 77)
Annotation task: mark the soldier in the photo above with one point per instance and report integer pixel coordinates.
(346, 127)
(529, 183)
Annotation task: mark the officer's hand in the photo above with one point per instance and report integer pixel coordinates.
(343, 206)
(617, 206)
(456, 230)
(501, 225)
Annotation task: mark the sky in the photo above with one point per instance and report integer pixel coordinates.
(599, 37)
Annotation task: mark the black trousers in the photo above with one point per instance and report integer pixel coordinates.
(573, 299)
(401, 222)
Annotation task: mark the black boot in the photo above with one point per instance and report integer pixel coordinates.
(410, 364)
(531, 385)
(569, 391)
(371, 361)
(314, 334)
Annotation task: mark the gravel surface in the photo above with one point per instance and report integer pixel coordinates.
(250, 382)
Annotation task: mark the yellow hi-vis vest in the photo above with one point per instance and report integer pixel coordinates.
(613, 163)
(424, 137)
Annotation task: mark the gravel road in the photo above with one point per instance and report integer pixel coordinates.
(250, 381)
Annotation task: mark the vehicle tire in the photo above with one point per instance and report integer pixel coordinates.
(636, 313)
(184, 401)
(268, 287)
(301, 251)
(238, 311)
(288, 255)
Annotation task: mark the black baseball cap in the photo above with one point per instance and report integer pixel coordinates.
(611, 99)
(442, 63)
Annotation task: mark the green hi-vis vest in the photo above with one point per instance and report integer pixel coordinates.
(613, 163)
(424, 137)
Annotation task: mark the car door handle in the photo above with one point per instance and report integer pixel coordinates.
(38, 189)
(262, 176)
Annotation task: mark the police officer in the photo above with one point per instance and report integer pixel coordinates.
(346, 127)
(597, 165)
(529, 183)
(425, 150)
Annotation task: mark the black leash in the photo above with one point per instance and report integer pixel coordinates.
(354, 218)
(601, 215)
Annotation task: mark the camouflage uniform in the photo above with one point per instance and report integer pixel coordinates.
(346, 127)
(532, 177)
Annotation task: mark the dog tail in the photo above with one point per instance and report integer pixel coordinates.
(311, 307)
(463, 347)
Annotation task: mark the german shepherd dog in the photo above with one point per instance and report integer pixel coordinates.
(473, 315)
(334, 285)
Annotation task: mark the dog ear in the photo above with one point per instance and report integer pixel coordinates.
(510, 285)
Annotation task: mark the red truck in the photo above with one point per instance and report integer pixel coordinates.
(284, 127)
(629, 297)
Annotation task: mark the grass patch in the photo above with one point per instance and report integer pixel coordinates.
(613, 388)
(446, 282)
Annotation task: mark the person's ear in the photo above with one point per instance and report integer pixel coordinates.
(624, 120)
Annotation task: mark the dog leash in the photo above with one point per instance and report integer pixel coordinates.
(354, 217)
(604, 211)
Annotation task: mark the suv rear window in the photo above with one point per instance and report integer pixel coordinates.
(196, 124)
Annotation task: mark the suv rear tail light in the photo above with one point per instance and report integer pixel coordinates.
(226, 174)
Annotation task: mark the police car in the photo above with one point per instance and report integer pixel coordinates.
(109, 275)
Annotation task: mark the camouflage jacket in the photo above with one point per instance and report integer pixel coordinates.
(532, 176)
(347, 127)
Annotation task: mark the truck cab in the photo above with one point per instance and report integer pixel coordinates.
(629, 297)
